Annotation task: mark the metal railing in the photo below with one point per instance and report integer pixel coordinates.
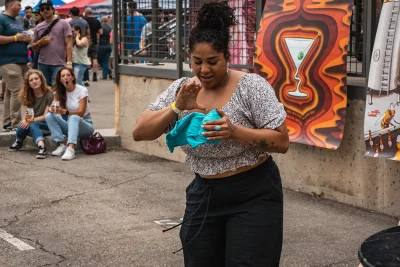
(148, 33)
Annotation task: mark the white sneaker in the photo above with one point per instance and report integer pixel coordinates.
(69, 154)
(59, 151)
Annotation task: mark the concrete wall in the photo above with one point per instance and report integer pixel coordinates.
(344, 175)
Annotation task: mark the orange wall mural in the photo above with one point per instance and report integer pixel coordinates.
(301, 49)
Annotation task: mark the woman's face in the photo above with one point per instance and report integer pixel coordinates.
(209, 65)
(34, 81)
(74, 32)
(66, 78)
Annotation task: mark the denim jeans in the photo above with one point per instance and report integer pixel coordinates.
(86, 75)
(35, 59)
(35, 129)
(73, 126)
(103, 58)
(49, 72)
(79, 70)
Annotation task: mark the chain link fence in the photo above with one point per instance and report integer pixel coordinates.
(148, 32)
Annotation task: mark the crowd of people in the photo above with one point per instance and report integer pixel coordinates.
(43, 64)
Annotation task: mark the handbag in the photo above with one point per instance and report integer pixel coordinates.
(94, 144)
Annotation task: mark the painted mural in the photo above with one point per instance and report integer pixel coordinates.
(382, 110)
(301, 49)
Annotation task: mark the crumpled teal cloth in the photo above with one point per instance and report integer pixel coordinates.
(188, 130)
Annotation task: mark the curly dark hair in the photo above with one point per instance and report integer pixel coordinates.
(213, 23)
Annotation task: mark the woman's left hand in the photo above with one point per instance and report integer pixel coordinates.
(24, 124)
(219, 129)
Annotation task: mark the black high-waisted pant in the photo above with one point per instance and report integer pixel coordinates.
(234, 221)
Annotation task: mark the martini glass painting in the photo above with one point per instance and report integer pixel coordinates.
(298, 49)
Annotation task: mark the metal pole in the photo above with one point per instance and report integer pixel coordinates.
(154, 31)
(116, 19)
(259, 12)
(369, 35)
(178, 52)
(125, 39)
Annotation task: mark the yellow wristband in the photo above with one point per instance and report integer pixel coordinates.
(15, 38)
(175, 109)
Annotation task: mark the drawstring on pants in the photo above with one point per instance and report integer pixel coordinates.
(209, 189)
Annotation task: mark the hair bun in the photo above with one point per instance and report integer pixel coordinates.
(216, 15)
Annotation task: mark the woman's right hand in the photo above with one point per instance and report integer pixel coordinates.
(187, 96)
(55, 109)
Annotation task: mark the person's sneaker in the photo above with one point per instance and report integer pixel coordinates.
(42, 153)
(15, 146)
(69, 154)
(94, 77)
(7, 127)
(59, 151)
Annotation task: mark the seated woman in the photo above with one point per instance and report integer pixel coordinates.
(80, 59)
(75, 121)
(36, 95)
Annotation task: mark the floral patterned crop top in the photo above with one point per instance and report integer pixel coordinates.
(252, 105)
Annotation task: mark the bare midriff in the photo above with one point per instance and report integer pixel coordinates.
(237, 171)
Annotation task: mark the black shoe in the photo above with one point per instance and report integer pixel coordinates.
(110, 76)
(42, 153)
(86, 84)
(94, 77)
(16, 146)
(7, 127)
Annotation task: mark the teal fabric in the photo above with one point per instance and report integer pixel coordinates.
(188, 130)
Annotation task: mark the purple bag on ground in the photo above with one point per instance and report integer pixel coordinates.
(94, 144)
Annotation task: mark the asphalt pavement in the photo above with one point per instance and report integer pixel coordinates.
(110, 210)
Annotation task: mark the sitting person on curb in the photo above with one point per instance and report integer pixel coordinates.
(75, 121)
(36, 95)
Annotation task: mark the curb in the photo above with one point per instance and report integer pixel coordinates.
(8, 138)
